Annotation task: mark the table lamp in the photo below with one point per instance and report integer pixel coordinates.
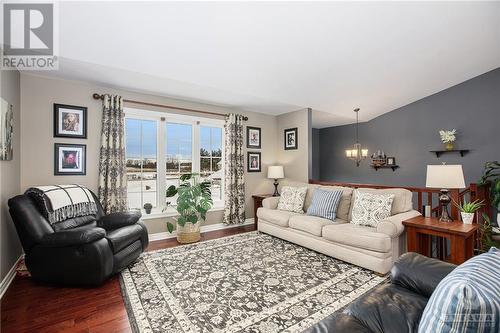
(275, 172)
(445, 177)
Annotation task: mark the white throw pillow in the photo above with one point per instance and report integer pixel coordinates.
(292, 199)
(369, 209)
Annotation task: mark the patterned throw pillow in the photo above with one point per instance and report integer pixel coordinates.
(292, 199)
(468, 299)
(369, 209)
(324, 204)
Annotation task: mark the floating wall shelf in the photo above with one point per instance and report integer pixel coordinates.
(393, 167)
(462, 152)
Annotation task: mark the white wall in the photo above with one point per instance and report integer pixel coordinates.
(10, 177)
(37, 143)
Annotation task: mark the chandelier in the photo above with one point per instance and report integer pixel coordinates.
(356, 153)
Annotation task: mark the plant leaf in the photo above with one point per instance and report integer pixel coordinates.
(170, 227)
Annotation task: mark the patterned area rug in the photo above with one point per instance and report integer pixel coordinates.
(251, 282)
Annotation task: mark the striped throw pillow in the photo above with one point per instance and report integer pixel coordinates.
(324, 204)
(468, 299)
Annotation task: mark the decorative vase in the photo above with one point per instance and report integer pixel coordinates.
(189, 233)
(448, 146)
(467, 218)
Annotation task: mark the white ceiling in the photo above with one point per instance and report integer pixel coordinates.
(282, 56)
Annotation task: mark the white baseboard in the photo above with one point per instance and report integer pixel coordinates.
(7, 280)
(205, 228)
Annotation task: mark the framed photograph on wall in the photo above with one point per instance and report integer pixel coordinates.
(291, 138)
(70, 159)
(6, 130)
(253, 137)
(70, 121)
(253, 161)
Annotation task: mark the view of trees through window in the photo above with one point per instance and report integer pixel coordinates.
(178, 158)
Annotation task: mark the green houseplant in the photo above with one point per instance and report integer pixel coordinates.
(194, 199)
(468, 209)
(491, 174)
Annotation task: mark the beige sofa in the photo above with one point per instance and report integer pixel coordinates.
(372, 248)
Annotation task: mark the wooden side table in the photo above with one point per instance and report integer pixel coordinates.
(257, 202)
(461, 236)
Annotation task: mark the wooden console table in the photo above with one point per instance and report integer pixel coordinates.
(257, 203)
(461, 236)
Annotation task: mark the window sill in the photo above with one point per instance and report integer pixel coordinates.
(172, 213)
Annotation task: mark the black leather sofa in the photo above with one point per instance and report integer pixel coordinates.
(81, 251)
(394, 307)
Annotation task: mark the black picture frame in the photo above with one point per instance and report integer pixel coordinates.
(288, 133)
(391, 161)
(79, 111)
(249, 130)
(79, 159)
(250, 158)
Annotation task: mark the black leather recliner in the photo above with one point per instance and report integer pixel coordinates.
(394, 307)
(81, 251)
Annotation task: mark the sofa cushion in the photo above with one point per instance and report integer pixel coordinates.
(310, 190)
(324, 204)
(357, 236)
(292, 199)
(345, 200)
(389, 308)
(467, 299)
(275, 216)
(402, 199)
(369, 208)
(311, 224)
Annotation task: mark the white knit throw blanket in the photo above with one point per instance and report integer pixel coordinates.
(61, 202)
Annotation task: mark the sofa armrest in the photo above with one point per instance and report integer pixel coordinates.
(393, 225)
(271, 202)
(118, 220)
(72, 237)
(419, 273)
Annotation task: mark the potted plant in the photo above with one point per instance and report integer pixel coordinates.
(448, 138)
(488, 238)
(193, 202)
(468, 209)
(148, 207)
(491, 174)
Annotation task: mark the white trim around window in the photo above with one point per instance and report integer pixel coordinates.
(196, 122)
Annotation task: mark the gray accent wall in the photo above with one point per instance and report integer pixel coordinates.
(409, 132)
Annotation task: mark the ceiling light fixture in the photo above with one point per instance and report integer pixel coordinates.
(357, 153)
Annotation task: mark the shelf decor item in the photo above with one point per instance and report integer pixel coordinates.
(275, 172)
(357, 153)
(468, 209)
(445, 177)
(379, 159)
(448, 138)
(194, 199)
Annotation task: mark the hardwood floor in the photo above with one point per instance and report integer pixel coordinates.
(28, 306)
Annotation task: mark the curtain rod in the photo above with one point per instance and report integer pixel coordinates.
(98, 96)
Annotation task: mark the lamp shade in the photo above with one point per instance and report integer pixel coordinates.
(445, 176)
(275, 172)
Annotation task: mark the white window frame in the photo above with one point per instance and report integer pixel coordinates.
(161, 119)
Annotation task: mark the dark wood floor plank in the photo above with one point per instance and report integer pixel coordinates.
(29, 307)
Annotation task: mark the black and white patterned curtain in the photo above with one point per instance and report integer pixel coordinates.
(112, 164)
(234, 210)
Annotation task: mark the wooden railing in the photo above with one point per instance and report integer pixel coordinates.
(430, 196)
